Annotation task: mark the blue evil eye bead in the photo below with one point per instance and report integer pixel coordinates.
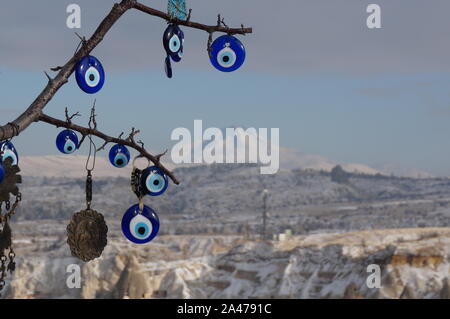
(9, 151)
(67, 141)
(2, 173)
(227, 53)
(173, 39)
(119, 156)
(140, 227)
(89, 74)
(168, 67)
(153, 181)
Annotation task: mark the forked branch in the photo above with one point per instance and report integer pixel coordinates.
(34, 112)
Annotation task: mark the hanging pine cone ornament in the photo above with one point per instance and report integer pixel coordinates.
(87, 234)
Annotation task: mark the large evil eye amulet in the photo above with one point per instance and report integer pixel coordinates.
(8, 150)
(67, 141)
(89, 74)
(227, 53)
(119, 156)
(173, 41)
(153, 181)
(140, 227)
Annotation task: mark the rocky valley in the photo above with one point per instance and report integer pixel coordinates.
(321, 236)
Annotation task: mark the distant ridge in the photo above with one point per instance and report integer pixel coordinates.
(73, 166)
(69, 166)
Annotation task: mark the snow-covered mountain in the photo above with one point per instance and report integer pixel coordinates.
(293, 159)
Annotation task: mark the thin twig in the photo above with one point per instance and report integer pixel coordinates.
(132, 134)
(83, 137)
(82, 38)
(56, 68)
(48, 77)
(70, 117)
(189, 15)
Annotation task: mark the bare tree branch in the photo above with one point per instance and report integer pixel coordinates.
(129, 141)
(34, 112)
(190, 24)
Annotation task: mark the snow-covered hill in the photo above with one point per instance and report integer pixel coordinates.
(73, 165)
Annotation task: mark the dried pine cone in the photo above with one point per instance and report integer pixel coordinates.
(86, 234)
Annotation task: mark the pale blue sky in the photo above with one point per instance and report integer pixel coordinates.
(313, 69)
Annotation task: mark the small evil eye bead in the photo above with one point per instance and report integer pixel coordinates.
(227, 53)
(173, 41)
(119, 156)
(8, 150)
(67, 142)
(168, 67)
(153, 181)
(89, 74)
(140, 227)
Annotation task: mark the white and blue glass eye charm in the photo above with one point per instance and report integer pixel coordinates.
(119, 156)
(140, 227)
(7, 149)
(227, 53)
(153, 181)
(173, 41)
(89, 74)
(67, 142)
